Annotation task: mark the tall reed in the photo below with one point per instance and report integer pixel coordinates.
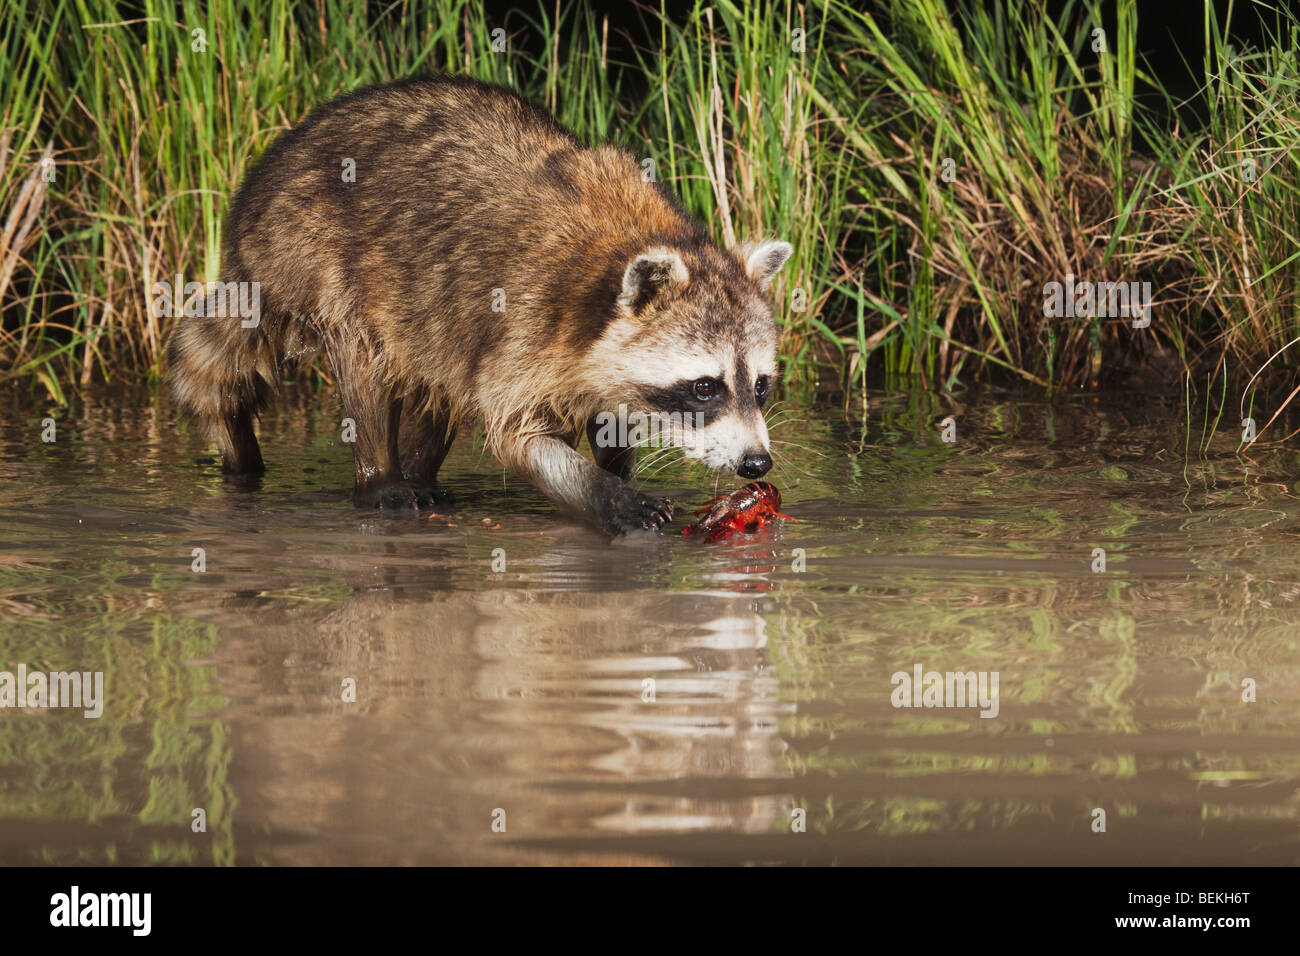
(935, 165)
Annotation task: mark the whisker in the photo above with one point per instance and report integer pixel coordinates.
(661, 463)
(800, 446)
(782, 422)
(643, 465)
(785, 421)
(779, 467)
(655, 462)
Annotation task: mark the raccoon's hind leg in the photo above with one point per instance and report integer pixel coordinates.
(426, 437)
(213, 364)
(615, 460)
(375, 414)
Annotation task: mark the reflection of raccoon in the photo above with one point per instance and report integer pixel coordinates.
(483, 266)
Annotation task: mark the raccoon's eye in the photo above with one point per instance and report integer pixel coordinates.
(704, 389)
(762, 388)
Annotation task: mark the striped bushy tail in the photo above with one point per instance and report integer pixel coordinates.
(219, 372)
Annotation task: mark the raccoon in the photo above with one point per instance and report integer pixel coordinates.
(480, 265)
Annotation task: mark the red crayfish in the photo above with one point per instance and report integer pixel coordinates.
(748, 509)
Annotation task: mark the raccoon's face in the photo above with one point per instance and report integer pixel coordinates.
(712, 406)
(693, 352)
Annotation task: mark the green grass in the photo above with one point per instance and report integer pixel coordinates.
(816, 123)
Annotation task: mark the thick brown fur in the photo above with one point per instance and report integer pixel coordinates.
(461, 190)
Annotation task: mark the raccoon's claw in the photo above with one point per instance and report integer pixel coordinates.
(398, 498)
(405, 497)
(435, 496)
(629, 510)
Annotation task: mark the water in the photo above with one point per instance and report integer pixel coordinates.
(523, 690)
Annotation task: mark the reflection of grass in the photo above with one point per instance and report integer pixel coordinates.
(323, 593)
(1114, 693)
(912, 816)
(61, 766)
(1075, 649)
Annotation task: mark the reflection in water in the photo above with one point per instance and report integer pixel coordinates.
(502, 699)
(656, 700)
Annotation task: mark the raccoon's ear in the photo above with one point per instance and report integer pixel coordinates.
(651, 274)
(763, 260)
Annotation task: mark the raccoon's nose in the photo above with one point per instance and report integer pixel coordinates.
(754, 465)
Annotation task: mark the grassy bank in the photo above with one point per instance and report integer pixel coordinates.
(934, 167)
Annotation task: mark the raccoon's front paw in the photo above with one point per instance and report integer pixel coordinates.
(438, 495)
(629, 510)
(432, 497)
(403, 496)
(397, 498)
